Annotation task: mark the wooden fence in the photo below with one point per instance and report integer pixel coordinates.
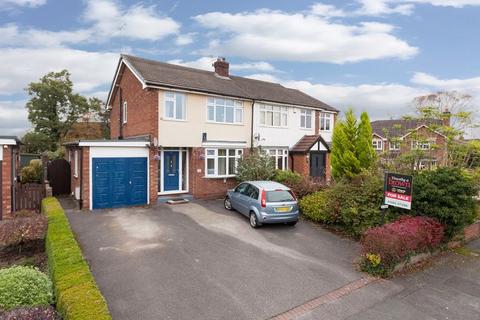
(29, 196)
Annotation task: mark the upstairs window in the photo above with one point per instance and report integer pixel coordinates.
(273, 116)
(394, 145)
(224, 110)
(124, 112)
(306, 119)
(377, 144)
(421, 145)
(174, 106)
(325, 121)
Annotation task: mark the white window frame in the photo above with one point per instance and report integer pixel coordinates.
(212, 153)
(394, 145)
(377, 144)
(325, 121)
(124, 112)
(307, 116)
(235, 105)
(75, 163)
(278, 153)
(421, 145)
(265, 109)
(171, 96)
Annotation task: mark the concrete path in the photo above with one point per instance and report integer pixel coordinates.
(198, 261)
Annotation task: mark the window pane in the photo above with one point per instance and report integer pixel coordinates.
(220, 114)
(179, 112)
(284, 119)
(231, 152)
(169, 94)
(308, 122)
(231, 165)
(262, 117)
(229, 114)
(280, 163)
(222, 152)
(219, 102)
(169, 106)
(269, 118)
(210, 166)
(276, 119)
(210, 152)
(239, 115)
(222, 166)
(211, 113)
(229, 102)
(184, 170)
(302, 121)
(210, 100)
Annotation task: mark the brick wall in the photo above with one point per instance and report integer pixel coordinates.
(472, 231)
(205, 188)
(300, 164)
(153, 175)
(85, 178)
(328, 168)
(142, 106)
(6, 182)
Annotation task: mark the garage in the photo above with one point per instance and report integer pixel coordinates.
(119, 175)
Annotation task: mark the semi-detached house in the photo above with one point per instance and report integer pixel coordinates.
(179, 130)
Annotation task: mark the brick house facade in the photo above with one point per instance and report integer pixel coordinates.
(9, 163)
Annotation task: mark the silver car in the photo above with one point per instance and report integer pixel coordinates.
(263, 202)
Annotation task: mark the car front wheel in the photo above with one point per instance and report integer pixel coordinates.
(227, 203)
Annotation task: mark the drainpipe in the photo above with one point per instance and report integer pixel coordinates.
(252, 125)
(12, 182)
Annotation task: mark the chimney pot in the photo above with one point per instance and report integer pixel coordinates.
(221, 67)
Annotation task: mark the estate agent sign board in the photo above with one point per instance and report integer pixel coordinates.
(398, 190)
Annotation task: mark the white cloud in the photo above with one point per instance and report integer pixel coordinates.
(22, 3)
(471, 85)
(302, 37)
(327, 10)
(184, 39)
(13, 117)
(21, 66)
(405, 7)
(205, 63)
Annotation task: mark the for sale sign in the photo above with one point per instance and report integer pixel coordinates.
(398, 190)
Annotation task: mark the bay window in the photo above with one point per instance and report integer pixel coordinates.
(221, 162)
(273, 116)
(306, 119)
(224, 110)
(174, 106)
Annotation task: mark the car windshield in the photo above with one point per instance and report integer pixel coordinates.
(279, 196)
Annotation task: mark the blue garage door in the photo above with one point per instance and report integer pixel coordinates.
(119, 182)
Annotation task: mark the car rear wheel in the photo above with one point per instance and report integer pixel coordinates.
(254, 220)
(227, 203)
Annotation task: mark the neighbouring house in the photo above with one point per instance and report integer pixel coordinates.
(9, 163)
(180, 131)
(392, 138)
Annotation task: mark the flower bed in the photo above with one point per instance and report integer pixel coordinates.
(78, 297)
(385, 246)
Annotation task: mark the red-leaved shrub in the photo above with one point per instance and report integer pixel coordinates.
(394, 241)
(22, 231)
(31, 313)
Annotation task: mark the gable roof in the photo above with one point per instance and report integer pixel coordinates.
(155, 73)
(400, 127)
(307, 142)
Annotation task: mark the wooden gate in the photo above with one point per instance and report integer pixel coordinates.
(58, 173)
(28, 196)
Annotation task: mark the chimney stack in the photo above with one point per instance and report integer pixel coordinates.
(446, 117)
(221, 67)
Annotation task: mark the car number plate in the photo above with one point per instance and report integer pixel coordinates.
(283, 209)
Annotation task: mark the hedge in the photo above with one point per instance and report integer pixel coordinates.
(77, 294)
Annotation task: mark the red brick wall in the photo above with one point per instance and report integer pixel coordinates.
(205, 188)
(300, 164)
(85, 178)
(328, 168)
(472, 231)
(153, 175)
(142, 106)
(6, 182)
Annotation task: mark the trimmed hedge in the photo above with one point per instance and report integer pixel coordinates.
(76, 292)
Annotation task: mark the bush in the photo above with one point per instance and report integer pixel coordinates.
(299, 184)
(33, 172)
(353, 205)
(256, 165)
(387, 245)
(446, 194)
(22, 232)
(78, 296)
(24, 286)
(287, 176)
(32, 313)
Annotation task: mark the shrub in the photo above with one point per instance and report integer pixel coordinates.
(24, 286)
(256, 165)
(33, 172)
(301, 185)
(31, 313)
(78, 296)
(387, 245)
(287, 176)
(23, 232)
(446, 194)
(353, 205)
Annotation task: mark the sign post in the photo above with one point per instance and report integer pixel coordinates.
(398, 190)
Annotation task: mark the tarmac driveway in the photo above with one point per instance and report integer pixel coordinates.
(199, 261)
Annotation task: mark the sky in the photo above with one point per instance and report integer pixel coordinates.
(371, 55)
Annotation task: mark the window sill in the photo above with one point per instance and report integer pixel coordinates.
(173, 119)
(226, 123)
(274, 127)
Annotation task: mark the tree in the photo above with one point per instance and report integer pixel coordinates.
(256, 165)
(365, 152)
(53, 107)
(352, 149)
(34, 142)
